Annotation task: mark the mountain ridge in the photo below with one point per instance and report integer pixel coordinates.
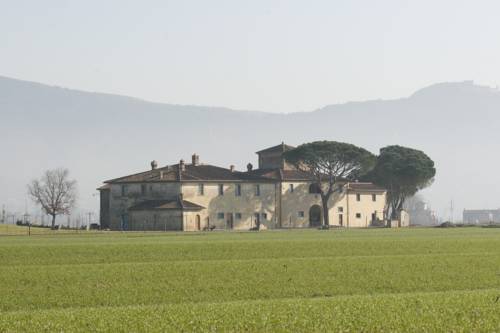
(458, 86)
(101, 136)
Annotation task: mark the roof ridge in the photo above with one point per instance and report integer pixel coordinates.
(282, 145)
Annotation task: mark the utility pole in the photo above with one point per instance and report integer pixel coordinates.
(451, 211)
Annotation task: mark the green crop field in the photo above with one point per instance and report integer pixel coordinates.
(378, 280)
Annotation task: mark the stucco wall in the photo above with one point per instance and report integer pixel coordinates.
(365, 207)
(300, 201)
(273, 160)
(162, 220)
(248, 204)
(340, 204)
(104, 209)
(269, 206)
(119, 204)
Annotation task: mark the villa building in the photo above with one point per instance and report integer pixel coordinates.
(197, 196)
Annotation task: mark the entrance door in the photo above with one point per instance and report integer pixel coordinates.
(229, 221)
(341, 220)
(257, 220)
(315, 216)
(198, 222)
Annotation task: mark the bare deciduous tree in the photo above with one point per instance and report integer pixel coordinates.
(55, 192)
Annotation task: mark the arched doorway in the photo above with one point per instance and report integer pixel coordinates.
(315, 216)
(198, 222)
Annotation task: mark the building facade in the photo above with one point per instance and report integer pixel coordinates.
(481, 216)
(197, 196)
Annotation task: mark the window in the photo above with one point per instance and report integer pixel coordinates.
(264, 216)
(257, 190)
(374, 197)
(237, 190)
(221, 189)
(291, 188)
(237, 216)
(201, 189)
(358, 215)
(301, 214)
(314, 188)
(124, 190)
(341, 209)
(220, 216)
(358, 197)
(143, 189)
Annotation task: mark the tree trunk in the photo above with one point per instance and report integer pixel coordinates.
(394, 212)
(326, 215)
(53, 222)
(397, 206)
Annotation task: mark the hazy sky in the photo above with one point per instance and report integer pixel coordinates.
(278, 56)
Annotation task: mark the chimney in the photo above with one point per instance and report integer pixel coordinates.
(249, 167)
(195, 159)
(154, 165)
(231, 167)
(180, 169)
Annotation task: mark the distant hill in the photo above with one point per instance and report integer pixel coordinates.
(100, 136)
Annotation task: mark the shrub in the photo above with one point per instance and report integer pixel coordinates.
(446, 225)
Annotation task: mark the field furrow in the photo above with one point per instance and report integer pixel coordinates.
(354, 280)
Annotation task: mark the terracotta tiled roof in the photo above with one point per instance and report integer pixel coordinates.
(191, 172)
(279, 174)
(365, 187)
(210, 173)
(166, 204)
(279, 148)
(272, 174)
(296, 175)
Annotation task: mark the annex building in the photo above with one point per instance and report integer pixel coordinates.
(195, 196)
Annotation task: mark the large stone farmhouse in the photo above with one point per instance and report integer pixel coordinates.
(195, 196)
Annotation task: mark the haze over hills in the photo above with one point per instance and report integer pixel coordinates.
(101, 136)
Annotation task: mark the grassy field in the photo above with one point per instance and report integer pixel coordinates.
(13, 230)
(338, 280)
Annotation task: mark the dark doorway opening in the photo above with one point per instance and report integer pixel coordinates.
(229, 221)
(198, 222)
(315, 216)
